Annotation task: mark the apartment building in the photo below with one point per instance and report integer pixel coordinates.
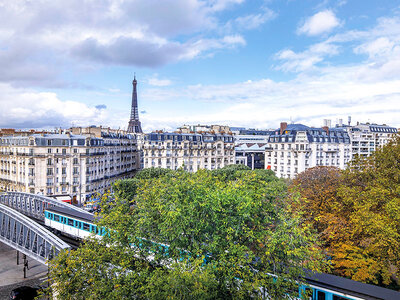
(77, 162)
(191, 151)
(366, 138)
(204, 128)
(295, 148)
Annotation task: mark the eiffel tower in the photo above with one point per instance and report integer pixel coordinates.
(134, 125)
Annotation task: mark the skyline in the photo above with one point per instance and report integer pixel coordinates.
(230, 62)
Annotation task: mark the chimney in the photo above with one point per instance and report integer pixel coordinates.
(283, 127)
(326, 128)
(327, 122)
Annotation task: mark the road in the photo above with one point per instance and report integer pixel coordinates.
(12, 275)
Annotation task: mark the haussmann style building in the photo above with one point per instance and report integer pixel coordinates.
(77, 162)
(295, 148)
(190, 151)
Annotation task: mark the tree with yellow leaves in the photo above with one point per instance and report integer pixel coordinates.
(357, 214)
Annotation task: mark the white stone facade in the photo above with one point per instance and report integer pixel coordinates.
(189, 151)
(295, 148)
(66, 164)
(366, 138)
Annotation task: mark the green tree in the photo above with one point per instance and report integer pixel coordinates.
(192, 236)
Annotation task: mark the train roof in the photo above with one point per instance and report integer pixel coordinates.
(88, 217)
(355, 288)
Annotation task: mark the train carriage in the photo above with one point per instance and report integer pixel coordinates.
(76, 224)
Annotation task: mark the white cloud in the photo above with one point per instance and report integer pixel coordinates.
(306, 60)
(321, 22)
(22, 108)
(265, 103)
(252, 21)
(380, 47)
(45, 37)
(368, 90)
(218, 5)
(155, 81)
(206, 45)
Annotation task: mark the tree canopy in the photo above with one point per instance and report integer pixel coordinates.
(206, 235)
(357, 214)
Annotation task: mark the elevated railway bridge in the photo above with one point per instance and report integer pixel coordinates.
(20, 215)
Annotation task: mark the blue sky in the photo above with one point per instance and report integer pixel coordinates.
(244, 63)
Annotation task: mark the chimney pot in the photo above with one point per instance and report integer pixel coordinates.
(283, 127)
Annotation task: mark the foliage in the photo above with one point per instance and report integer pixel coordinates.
(357, 214)
(319, 200)
(126, 189)
(232, 172)
(192, 236)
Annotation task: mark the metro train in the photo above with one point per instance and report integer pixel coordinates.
(76, 224)
(322, 286)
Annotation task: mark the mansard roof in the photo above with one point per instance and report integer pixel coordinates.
(313, 135)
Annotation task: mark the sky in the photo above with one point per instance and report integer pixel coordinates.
(247, 63)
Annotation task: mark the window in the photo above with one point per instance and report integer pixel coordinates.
(70, 222)
(64, 151)
(49, 150)
(57, 218)
(86, 226)
(321, 295)
(94, 229)
(335, 297)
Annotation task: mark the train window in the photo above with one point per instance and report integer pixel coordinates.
(335, 297)
(78, 224)
(70, 222)
(57, 218)
(86, 226)
(321, 295)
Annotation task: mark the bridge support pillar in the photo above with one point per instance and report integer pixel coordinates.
(25, 265)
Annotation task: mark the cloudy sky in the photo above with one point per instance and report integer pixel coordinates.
(250, 63)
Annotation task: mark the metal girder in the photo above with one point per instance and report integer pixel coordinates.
(28, 237)
(33, 205)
